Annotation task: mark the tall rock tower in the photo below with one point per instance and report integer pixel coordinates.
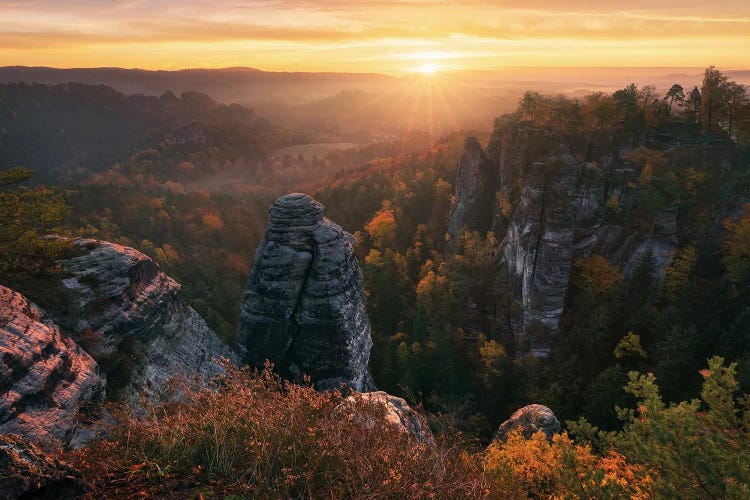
(304, 305)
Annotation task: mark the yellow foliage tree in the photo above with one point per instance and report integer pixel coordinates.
(678, 273)
(539, 468)
(213, 222)
(382, 229)
(598, 274)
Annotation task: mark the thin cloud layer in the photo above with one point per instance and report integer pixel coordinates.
(374, 35)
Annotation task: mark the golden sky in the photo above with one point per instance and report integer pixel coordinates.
(387, 36)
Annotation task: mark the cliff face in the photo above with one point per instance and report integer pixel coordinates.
(552, 210)
(475, 190)
(45, 378)
(304, 305)
(131, 317)
(114, 325)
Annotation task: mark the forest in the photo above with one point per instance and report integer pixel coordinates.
(643, 358)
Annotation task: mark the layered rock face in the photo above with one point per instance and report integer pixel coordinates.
(304, 305)
(475, 190)
(557, 214)
(531, 419)
(47, 383)
(131, 317)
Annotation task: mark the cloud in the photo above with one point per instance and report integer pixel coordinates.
(325, 31)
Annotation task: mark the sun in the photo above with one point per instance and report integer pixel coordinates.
(428, 68)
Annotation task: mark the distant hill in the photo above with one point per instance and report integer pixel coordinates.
(67, 131)
(247, 86)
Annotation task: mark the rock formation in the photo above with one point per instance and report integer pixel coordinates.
(47, 382)
(532, 419)
(133, 320)
(475, 190)
(304, 305)
(551, 210)
(397, 413)
(28, 472)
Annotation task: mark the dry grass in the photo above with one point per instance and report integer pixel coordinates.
(260, 437)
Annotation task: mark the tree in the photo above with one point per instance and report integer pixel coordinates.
(713, 93)
(27, 216)
(699, 447)
(675, 93)
(735, 96)
(646, 94)
(530, 105)
(599, 275)
(693, 105)
(737, 246)
(599, 108)
(382, 229)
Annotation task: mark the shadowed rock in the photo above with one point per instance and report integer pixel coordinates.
(45, 378)
(133, 319)
(551, 209)
(28, 472)
(304, 305)
(532, 419)
(475, 190)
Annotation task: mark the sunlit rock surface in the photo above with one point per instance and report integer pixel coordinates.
(304, 305)
(47, 383)
(532, 419)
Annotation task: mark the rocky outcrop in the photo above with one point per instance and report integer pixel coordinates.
(552, 210)
(475, 190)
(47, 383)
(132, 318)
(397, 413)
(531, 419)
(28, 472)
(304, 305)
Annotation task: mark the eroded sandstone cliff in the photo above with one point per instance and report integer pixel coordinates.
(551, 210)
(47, 382)
(304, 306)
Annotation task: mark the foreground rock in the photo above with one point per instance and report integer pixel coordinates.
(28, 472)
(132, 318)
(532, 419)
(47, 383)
(397, 413)
(304, 305)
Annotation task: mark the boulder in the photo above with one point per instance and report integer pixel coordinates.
(531, 419)
(48, 384)
(134, 321)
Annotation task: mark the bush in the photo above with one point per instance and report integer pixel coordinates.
(260, 437)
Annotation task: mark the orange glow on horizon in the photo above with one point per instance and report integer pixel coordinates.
(383, 36)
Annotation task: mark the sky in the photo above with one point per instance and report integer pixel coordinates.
(383, 36)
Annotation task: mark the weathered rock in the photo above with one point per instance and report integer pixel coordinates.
(304, 305)
(28, 472)
(47, 383)
(532, 419)
(475, 190)
(551, 210)
(133, 319)
(397, 413)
